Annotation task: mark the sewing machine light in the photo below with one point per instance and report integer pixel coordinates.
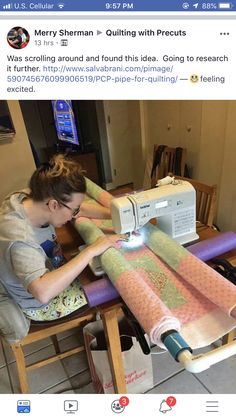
(134, 240)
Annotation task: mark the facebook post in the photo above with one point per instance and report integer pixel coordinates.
(117, 214)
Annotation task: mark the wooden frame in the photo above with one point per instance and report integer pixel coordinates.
(37, 333)
(110, 313)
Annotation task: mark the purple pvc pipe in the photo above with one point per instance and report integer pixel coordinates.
(210, 248)
(100, 291)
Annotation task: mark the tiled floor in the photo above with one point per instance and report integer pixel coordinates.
(72, 375)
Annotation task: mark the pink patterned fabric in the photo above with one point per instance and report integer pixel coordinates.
(208, 282)
(98, 194)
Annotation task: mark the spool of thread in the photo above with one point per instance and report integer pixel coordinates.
(211, 248)
(100, 291)
(165, 181)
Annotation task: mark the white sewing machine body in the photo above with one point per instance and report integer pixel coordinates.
(174, 206)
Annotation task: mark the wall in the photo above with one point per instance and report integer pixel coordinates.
(122, 120)
(16, 158)
(138, 160)
(208, 130)
(227, 186)
(175, 123)
(105, 157)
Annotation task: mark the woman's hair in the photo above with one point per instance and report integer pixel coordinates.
(57, 179)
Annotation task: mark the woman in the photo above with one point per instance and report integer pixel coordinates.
(15, 41)
(22, 35)
(32, 267)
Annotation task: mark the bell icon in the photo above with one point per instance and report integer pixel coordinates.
(164, 407)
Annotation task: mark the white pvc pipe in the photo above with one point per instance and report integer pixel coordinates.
(201, 362)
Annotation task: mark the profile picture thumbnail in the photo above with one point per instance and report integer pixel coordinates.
(18, 37)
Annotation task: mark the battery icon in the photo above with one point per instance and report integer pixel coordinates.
(225, 5)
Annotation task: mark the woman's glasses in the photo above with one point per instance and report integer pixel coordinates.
(74, 211)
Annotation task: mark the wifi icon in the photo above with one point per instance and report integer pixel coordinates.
(60, 5)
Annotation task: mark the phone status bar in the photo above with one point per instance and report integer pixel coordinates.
(122, 6)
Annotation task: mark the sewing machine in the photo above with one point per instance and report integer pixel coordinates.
(173, 205)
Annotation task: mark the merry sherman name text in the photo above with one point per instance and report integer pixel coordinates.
(62, 32)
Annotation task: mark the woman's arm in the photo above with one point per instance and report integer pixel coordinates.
(91, 210)
(52, 283)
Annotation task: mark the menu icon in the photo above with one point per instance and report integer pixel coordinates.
(212, 406)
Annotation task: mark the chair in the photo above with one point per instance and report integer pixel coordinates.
(39, 331)
(167, 160)
(205, 201)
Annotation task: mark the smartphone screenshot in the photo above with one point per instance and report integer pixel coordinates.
(117, 208)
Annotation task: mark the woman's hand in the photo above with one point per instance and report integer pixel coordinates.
(103, 243)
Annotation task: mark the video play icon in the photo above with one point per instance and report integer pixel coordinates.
(70, 406)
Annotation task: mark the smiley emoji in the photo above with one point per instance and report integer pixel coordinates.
(194, 78)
